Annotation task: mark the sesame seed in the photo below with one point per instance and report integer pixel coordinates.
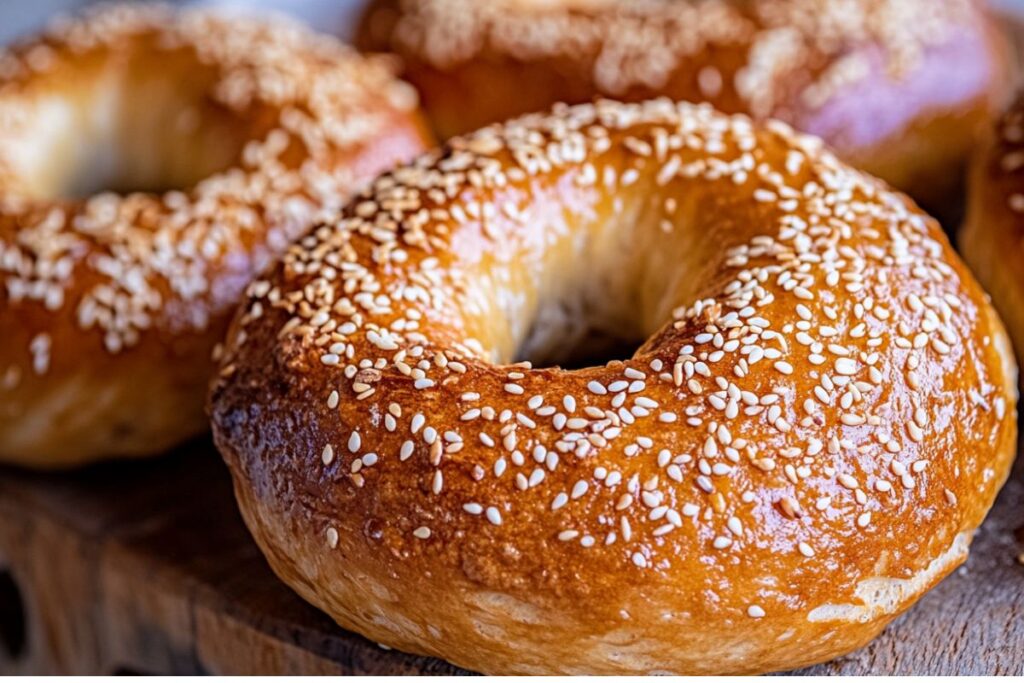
(784, 367)
(846, 366)
(406, 450)
(494, 516)
(847, 481)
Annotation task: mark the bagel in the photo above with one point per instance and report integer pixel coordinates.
(991, 235)
(901, 88)
(818, 416)
(150, 164)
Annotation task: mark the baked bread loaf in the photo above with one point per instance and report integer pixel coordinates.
(150, 164)
(991, 236)
(900, 88)
(818, 416)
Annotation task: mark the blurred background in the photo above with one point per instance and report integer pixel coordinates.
(18, 17)
(22, 16)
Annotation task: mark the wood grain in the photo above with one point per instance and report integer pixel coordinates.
(147, 567)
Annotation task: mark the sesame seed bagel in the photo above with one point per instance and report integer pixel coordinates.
(150, 164)
(901, 88)
(992, 236)
(819, 414)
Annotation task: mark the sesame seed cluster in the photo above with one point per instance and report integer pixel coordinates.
(1010, 150)
(152, 161)
(824, 401)
(120, 265)
(816, 46)
(990, 235)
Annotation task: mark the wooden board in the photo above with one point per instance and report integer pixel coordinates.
(147, 567)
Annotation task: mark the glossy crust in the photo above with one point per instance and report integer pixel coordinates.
(901, 88)
(111, 304)
(818, 421)
(992, 236)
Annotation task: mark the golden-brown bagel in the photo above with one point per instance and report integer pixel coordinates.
(150, 164)
(818, 420)
(992, 236)
(900, 88)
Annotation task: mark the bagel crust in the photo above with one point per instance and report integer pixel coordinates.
(820, 416)
(901, 88)
(992, 236)
(111, 304)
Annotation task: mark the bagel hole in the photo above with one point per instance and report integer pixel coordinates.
(579, 328)
(591, 312)
(598, 292)
(13, 631)
(125, 124)
(595, 347)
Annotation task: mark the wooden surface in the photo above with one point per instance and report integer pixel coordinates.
(146, 567)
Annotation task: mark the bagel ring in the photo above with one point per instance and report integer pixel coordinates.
(150, 164)
(991, 236)
(901, 88)
(820, 416)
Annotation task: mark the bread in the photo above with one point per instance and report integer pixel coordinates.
(900, 88)
(150, 164)
(990, 236)
(818, 416)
